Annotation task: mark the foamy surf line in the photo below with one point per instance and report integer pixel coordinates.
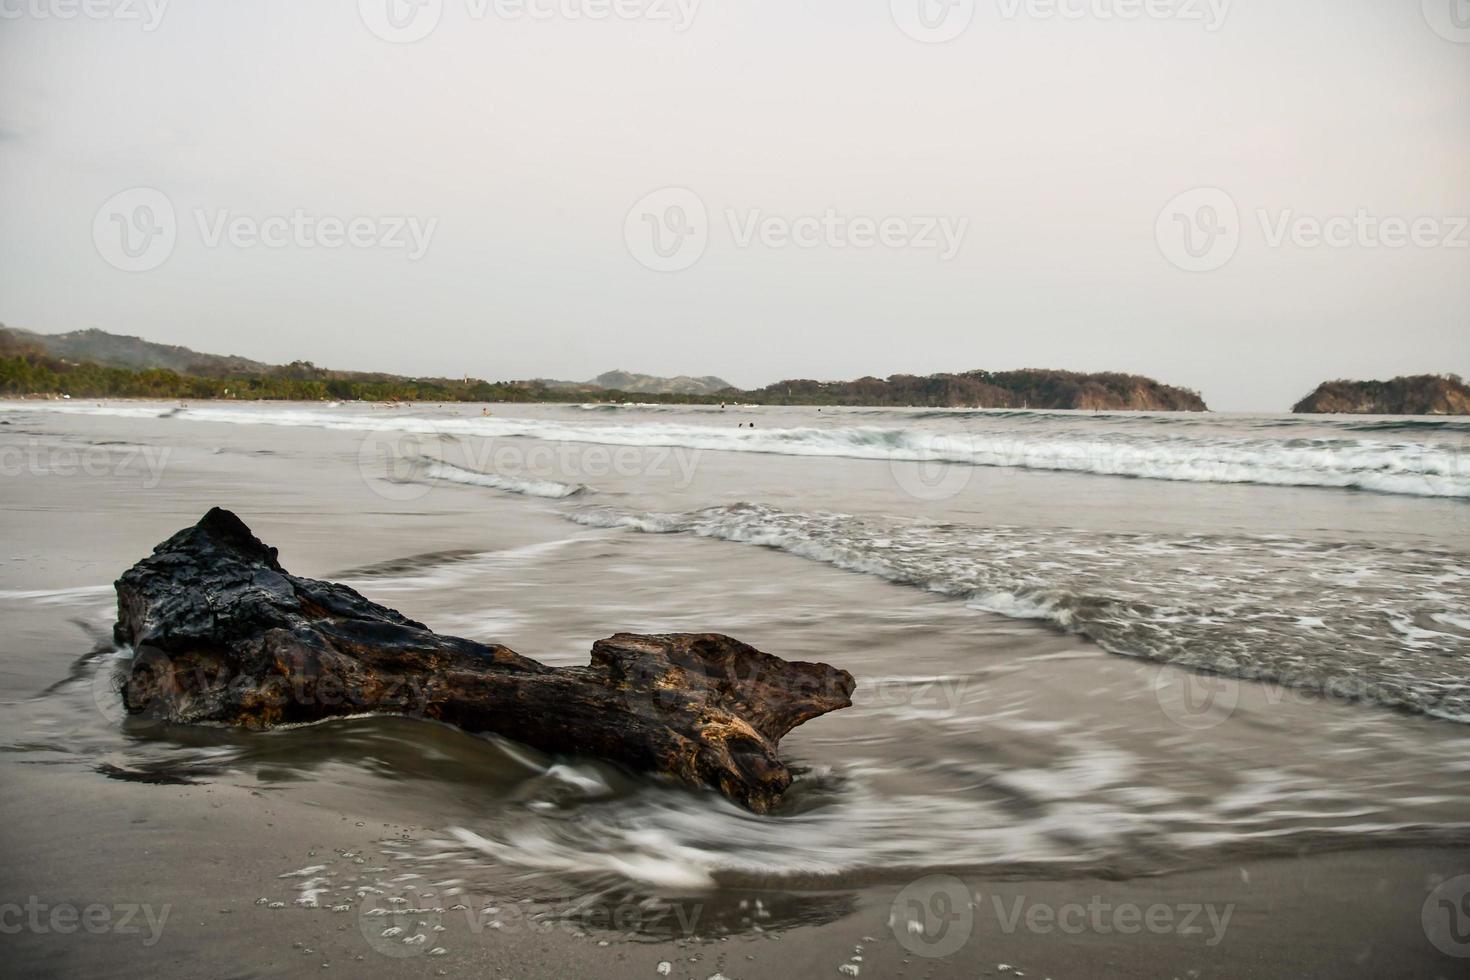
(429, 470)
(1354, 622)
(1424, 469)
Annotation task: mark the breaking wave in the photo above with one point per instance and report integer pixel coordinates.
(1351, 620)
(1164, 448)
(437, 470)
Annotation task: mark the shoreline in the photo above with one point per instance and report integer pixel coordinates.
(976, 736)
(731, 406)
(198, 860)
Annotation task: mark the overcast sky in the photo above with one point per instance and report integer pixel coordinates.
(515, 150)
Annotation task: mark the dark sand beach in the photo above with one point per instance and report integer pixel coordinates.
(1005, 797)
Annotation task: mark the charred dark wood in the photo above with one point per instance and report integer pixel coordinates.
(222, 634)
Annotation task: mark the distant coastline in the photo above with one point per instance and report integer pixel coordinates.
(96, 364)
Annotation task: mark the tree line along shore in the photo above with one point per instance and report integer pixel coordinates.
(95, 364)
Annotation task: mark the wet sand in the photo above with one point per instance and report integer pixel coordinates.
(101, 811)
(209, 853)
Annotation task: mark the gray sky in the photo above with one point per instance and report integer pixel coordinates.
(518, 146)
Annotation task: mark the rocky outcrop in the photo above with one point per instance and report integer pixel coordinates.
(222, 634)
(1422, 394)
(1032, 388)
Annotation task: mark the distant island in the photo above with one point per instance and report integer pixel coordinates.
(97, 364)
(1420, 394)
(643, 384)
(1030, 388)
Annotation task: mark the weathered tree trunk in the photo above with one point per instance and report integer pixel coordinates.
(222, 634)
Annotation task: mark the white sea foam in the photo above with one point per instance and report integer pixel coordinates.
(1081, 802)
(81, 593)
(1372, 635)
(1189, 452)
(439, 470)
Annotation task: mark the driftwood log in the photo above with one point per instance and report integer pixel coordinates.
(222, 634)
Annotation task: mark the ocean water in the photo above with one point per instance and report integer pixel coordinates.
(1085, 643)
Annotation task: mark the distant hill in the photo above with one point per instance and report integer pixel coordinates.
(648, 384)
(1420, 394)
(92, 363)
(134, 353)
(640, 384)
(1032, 388)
